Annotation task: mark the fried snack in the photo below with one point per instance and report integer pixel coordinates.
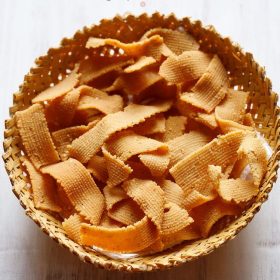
(189, 173)
(132, 49)
(59, 89)
(127, 144)
(132, 238)
(149, 196)
(158, 127)
(175, 127)
(184, 145)
(188, 66)
(84, 147)
(176, 41)
(80, 188)
(35, 136)
(211, 87)
(97, 166)
(43, 187)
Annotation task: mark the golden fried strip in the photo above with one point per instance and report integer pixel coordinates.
(97, 167)
(72, 226)
(35, 135)
(149, 196)
(113, 195)
(132, 238)
(80, 188)
(175, 127)
(188, 66)
(132, 49)
(190, 173)
(59, 89)
(84, 147)
(43, 187)
(140, 64)
(152, 125)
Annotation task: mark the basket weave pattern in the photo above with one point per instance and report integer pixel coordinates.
(244, 73)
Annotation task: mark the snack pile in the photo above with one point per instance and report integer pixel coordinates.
(143, 145)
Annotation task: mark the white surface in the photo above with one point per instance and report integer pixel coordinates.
(27, 29)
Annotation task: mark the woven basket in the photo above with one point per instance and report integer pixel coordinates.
(244, 74)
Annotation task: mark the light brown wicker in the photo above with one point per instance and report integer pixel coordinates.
(244, 73)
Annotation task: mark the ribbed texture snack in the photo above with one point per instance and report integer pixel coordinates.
(101, 68)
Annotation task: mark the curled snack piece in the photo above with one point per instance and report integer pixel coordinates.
(237, 190)
(117, 170)
(152, 125)
(59, 89)
(136, 82)
(93, 69)
(149, 196)
(188, 66)
(98, 168)
(132, 49)
(175, 127)
(106, 104)
(126, 212)
(175, 219)
(35, 135)
(127, 144)
(208, 214)
(140, 64)
(132, 238)
(172, 192)
(176, 41)
(210, 89)
(60, 112)
(195, 198)
(156, 162)
(72, 226)
(207, 119)
(113, 196)
(84, 147)
(43, 187)
(184, 145)
(189, 173)
(253, 151)
(80, 188)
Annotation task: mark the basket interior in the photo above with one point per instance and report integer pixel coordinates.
(244, 73)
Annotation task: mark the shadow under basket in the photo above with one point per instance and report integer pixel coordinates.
(244, 74)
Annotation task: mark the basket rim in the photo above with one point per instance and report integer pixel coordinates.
(126, 265)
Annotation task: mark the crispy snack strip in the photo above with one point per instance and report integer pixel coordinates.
(106, 104)
(126, 212)
(140, 64)
(175, 127)
(65, 136)
(156, 162)
(253, 151)
(59, 89)
(35, 135)
(210, 89)
(117, 170)
(132, 49)
(207, 119)
(108, 222)
(195, 198)
(184, 145)
(188, 66)
(113, 196)
(149, 196)
(72, 226)
(176, 41)
(84, 147)
(43, 187)
(136, 82)
(155, 124)
(132, 238)
(190, 173)
(127, 144)
(60, 112)
(209, 213)
(98, 168)
(175, 219)
(237, 190)
(172, 192)
(92, 69)
(80, 188)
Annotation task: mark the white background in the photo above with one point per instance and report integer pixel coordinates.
(27, 29)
